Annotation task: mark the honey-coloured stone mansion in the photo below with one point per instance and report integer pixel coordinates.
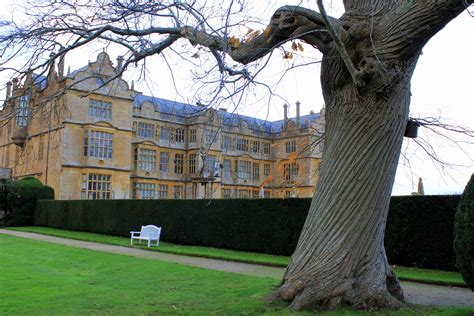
(91, 140)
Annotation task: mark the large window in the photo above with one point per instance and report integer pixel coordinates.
(95, 186)
(164, 159)
(22, 111)
(255, 171)
(242, 144)
(178, 192)
(192, 135)
(144, 190)
(98, 144)
(266, 170)
(245, 194)
(255, 194)
(163, 191)
(100, 109)
(226, 193)
(291, 171)
(178, 163)
(255, 146)
(266, 148)
(165, 133)
(192, 163)
(227, 169)
(245, 170)
(146, 130)
(179, 136)
(211, 165)
(291, 146)
(226, 142)
(209, 136)
(147, 159)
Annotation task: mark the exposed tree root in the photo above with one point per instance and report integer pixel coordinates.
(361, 295)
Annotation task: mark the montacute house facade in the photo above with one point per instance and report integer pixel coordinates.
(93, 141)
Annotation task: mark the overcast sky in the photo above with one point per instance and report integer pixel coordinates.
(443, 85)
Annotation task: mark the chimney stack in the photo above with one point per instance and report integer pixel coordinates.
(52, 70)
(61, 67)
(15, 85)
(298, 103)
(285, 115)
(9, 90)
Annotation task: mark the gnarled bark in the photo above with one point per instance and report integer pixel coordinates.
(340, 257)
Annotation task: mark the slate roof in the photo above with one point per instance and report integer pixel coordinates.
(167, 106)
(185, 110)
(230, 119)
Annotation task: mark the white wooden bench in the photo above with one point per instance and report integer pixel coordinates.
(148, 233)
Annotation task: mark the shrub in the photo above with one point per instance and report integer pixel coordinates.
(464, 234)
(21, 199)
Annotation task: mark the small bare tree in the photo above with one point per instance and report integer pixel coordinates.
(369, 55)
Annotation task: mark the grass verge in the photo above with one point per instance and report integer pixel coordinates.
(39, 278)
(404, 273)
(196, 251)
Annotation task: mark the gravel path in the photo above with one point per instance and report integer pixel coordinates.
(415, 293)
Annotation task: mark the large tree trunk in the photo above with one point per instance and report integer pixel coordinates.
(340, 257)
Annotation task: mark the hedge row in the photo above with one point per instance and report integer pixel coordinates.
(419, 229)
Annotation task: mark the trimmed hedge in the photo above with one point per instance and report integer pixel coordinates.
(464, 234)
(260, 225)
(21, 200)
(419, 229)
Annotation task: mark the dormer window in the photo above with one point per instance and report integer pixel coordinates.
(22, 111)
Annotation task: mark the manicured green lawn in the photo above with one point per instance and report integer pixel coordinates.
(197, 251)
(39, 278)
(42, 278)
(404, 273)
(430, 276)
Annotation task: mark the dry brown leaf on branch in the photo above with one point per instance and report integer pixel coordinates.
(234, 42)
(252, 35)
(288, 55)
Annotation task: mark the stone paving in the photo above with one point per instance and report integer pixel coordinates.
(415, 293)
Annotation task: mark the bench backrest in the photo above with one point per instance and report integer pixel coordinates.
(150, 229)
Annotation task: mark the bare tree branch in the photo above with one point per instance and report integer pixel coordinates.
(340, 46)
